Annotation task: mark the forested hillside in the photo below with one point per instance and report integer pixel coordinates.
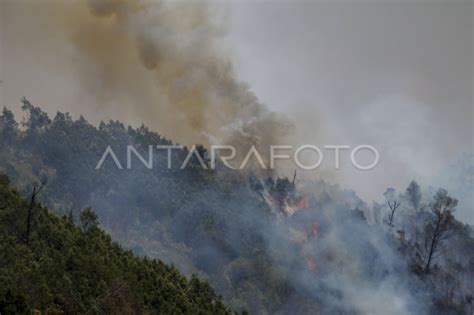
(59, 267)
(265, 244)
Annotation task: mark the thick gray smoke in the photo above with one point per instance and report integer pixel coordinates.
(162, 63)
(156, 62)
(395, 74)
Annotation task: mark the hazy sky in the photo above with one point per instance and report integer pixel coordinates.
(397, 75)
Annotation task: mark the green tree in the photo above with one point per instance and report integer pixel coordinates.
(88, 219)
(37, 120)
(8, 126)
(413, 194)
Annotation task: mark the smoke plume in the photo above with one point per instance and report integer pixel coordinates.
(161, 63)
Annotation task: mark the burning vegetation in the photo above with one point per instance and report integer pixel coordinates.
(262, 244)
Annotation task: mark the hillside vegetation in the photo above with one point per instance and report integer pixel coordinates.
(331, 254)
(79, 269)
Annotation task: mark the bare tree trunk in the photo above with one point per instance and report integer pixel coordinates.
(31, 206)
(30, 210)
(434, 242)
(393, 207)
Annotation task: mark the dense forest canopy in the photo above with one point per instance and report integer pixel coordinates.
(77, 268)
(265, 244)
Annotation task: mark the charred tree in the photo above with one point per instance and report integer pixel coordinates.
(31, 205)
(393, 204)
(438, 226)
(393, 207)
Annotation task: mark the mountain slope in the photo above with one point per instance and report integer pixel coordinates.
(77, 270)
(244, 233)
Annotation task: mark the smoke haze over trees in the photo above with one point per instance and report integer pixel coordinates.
(101, 74)
(388, 73)
(266, 245)
(71, 268)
